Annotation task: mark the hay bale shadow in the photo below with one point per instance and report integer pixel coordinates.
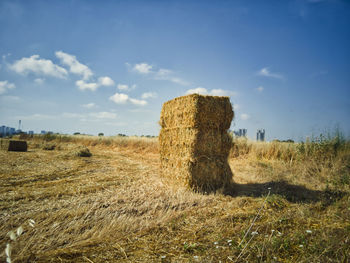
(292, 193)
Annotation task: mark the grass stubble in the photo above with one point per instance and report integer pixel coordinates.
(289, 202)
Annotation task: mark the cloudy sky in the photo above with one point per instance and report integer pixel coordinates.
(108, 66)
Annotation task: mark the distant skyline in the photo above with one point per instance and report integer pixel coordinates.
(108, 66)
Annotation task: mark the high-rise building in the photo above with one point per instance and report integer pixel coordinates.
(260, 135)
(240, 133)
(2, 131)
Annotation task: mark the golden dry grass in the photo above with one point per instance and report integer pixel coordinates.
(115, 207)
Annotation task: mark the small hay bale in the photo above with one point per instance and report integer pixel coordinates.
(14, 145)
(194, 143)
(49, 147)
(83, 152)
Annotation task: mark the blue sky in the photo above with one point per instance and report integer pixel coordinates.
(108, 66)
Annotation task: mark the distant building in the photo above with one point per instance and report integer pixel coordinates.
(43, 132)
(2, 131)
(240, 133)
(260, 135)
(8, 131)
(31, 132)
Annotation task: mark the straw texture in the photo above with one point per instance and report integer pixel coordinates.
(194, 143)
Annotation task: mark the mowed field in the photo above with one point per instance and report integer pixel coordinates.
(287, 203)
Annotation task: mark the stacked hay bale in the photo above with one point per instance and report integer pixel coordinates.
(13, 145)
(194, 143)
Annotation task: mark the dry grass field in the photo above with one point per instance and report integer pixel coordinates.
(288, 203)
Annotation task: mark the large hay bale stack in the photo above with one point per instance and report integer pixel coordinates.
(13, 145)
(194, 143)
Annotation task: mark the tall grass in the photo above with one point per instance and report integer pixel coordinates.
(318, 148)
(325, 156)
(134, 142)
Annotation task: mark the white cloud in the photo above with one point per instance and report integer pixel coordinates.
(266, 73)
(178, 81)
(167, 74)
(147, 95)
(93, 116)
(74, 65)
(36, 65)
(213, 92)
(102, 81)
(105, 81)
(161, 74)
(142, 68)
(82, 85)
(5, 86)
(122, 87)
(138, 102)
(244, 116)
(121, 98)
(126, 87)
(221, 92)
(103, 115)
(198, 90)
(96, 115)
(5, 56)
(89, 105)
(260, 89)
(72, 115)
(38, 117)
(39, 81)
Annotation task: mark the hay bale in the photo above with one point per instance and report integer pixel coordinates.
(14, 145)
(49, 146)
(82, 151)
(194, 143)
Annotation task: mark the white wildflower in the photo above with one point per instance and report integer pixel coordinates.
(162, 257)
(31, 222)
(12, 235)
(279, 233)
(229, 241)
(301, 245)
(215, 243)
(217, 247)
(308, 231)
(19, 231)
(255, 233)
(8, 260)
(8, 250)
